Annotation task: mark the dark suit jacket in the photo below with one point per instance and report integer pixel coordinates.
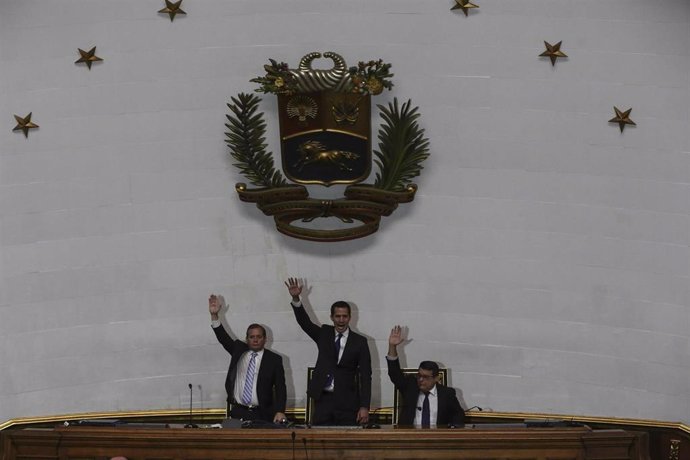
(270, 383)
(449, 410)
(352, 374)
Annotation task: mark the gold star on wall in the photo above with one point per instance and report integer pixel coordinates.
(553, 52)
(24, 124)
(463, 5)
(622, 118)
(172, 9)
(88, 57)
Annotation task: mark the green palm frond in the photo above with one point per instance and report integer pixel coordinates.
(402, 147)
(246, 140)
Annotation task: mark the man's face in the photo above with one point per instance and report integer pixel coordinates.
(425, 380)
(256, 339)
(341, 319)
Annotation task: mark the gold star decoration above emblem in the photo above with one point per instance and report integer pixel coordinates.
(24, 124)
(463, 5)
(553, 52)
(172, 8)
(622, 118)
(88, 57)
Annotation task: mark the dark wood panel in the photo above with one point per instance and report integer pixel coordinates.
(101, 443)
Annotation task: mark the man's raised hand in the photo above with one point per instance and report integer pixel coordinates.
(396, 337)
(294, 287)
(214, 305)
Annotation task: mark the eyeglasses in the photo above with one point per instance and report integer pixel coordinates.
(424, 377)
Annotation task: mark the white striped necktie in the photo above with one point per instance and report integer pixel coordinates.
(249, 381)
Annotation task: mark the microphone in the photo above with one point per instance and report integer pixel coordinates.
(190, 424)
(475, 407)
(375, 417)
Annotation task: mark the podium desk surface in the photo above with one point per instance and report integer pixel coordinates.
(471, 442)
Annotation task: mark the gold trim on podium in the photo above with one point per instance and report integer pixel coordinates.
(299, 413)
(171, 413)
(582, 419)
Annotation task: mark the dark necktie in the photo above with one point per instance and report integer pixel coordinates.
(329, 380)
(337, 347)
(426, 412)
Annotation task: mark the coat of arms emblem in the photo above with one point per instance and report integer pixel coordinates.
(325, 134)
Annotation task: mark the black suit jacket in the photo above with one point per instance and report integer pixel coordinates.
(270, 383)
(352, 375)
(449, 410)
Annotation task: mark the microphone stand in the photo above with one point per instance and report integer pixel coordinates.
(375, 418)
(293, 435)
(190, 424)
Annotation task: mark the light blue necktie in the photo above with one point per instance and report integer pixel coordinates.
(249, 381)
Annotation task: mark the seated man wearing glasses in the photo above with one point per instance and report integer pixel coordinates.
(425, 402)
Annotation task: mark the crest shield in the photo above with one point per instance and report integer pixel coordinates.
(325, 137)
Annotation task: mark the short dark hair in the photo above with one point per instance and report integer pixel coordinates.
(256, 326)
(430, 366)
(341, 304)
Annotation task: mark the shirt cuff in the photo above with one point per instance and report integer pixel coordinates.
(296, 305)
(215, 323)
(391, 358)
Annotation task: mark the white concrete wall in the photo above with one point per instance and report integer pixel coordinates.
(545, 260)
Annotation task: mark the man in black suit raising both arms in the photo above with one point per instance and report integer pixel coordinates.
(255, 383)
(341, 382)
(426, 402)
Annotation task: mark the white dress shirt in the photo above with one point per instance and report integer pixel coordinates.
(241, 376)
(433, 407)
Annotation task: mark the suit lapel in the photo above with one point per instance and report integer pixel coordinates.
(441, 398)
(412, 406)
(235, 364)
(331, 345)
(263, 367)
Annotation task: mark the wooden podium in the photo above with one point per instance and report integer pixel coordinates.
(476, 443)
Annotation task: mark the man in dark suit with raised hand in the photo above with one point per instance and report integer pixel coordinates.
(425, 402)
(255, 383)
(341, 382)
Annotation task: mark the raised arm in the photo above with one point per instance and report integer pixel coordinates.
(394, 372)
(214, 306)
(295, 290)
